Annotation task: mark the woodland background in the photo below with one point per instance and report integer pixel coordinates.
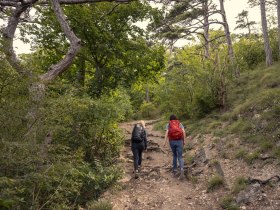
(91, 67)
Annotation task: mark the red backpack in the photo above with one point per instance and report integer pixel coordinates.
(174, 130)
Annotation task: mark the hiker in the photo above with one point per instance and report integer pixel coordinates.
(175, 132)
(138, 145)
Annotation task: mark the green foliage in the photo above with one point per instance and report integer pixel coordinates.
(190, 86)
(75, 165)
(13, 103)
(114, 51)
(249, 52)
(148, 111)
(89, 124)
(215, 182)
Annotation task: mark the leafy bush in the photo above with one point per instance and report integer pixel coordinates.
(148, 111)
(249, 52)
(63, 159)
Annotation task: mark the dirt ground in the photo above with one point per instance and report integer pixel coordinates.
(157, 188)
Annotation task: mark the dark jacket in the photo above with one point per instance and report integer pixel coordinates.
(144, 139)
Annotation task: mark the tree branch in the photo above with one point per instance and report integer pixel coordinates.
(75, 45)
(16, 3)
(8, 37)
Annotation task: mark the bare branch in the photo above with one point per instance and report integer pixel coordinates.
(8, 36)
(75, 45)
(16, 3)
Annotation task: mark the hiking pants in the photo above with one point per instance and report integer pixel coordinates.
(177, 150)
(137, 150)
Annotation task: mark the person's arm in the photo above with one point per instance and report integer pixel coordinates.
(145, 138)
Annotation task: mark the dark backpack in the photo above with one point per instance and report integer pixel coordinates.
(137, 133)
(174, 130)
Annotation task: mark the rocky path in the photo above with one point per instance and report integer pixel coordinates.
(157, 188)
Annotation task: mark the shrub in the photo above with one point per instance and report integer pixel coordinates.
(148, 110)
(75, 165)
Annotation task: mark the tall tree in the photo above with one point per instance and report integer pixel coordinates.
(243, 22)
(268, 51)
(17, 10)
(278, 17)
(228, 39)
(205, 7)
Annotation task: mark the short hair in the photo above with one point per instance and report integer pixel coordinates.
(173, 117)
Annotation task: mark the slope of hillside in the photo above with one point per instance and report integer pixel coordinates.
(253, 113)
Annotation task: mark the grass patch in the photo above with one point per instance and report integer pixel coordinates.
(251, 157)
(189, 159)
(228, 203)
(100, 205)
(240, 126)
(241, 153)
(215, 182)
(188, 146)
(276, 152)
(265, 145)
(240, 184)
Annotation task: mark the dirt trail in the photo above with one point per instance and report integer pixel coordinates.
(157, 188)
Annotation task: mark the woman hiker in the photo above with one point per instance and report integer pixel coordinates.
(138, 145)
(175, 133)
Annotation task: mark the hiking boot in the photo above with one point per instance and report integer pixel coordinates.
(139, 168)
(175, 173)
(136, 174)
(182, 175)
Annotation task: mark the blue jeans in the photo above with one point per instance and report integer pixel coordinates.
(177, 150)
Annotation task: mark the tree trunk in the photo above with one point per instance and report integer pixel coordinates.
(98, 78)
(81, 72)
(228, 38)
(249, 28)
(206, 28)
(268, 52)
(278, 17)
